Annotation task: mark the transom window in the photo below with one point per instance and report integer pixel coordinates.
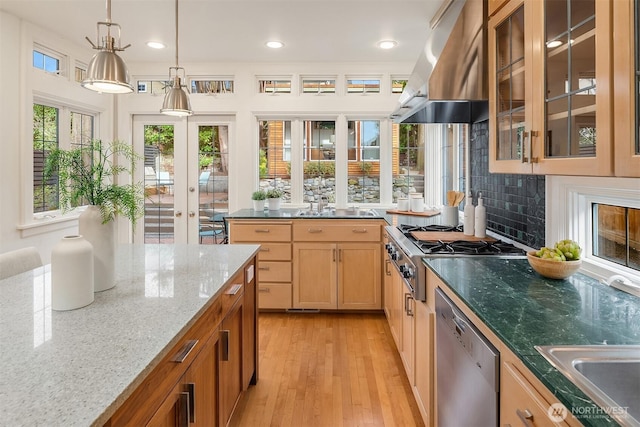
(397, 85)
(153, 87)
(211, 86)
(45, 61)
(363, 86)
(274, 86)
(318, 86)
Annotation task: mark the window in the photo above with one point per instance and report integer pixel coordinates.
(45, 138)
(318, 86)
(616, 231)
(80, 73)
(397, 85)
(319, 161)
(363, 145)
(274, 86)
(211, 86)
(153, 87)
(275, 155)
(408, 159)
(363, 86)
(45, 61)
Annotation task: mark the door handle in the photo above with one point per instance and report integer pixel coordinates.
(387, 263)
(407, 304)
(225, 345)
(182, 413)
(178, 214)
(526, 417)
(191, 390)
(192, 214)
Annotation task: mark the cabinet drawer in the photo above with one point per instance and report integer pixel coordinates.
(275, 252)
(308, 231)
(521, 404)
(274, 271)
(274, 295)
(261, 232)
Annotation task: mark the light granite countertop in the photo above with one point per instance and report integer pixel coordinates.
(75, 368)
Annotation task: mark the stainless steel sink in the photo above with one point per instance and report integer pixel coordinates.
(371, 213)
(608, 374)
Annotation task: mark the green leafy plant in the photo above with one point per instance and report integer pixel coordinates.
(86, 175)
(274, 193)
(259, 195)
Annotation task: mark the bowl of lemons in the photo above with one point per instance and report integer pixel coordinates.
(557, 262)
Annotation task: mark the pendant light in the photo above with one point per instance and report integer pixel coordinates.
(176, 101)
(107, 72)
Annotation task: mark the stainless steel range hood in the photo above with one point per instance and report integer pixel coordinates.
(449, 81)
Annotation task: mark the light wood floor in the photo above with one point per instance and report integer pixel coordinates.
(330, 370)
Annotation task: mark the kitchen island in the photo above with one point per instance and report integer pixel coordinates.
(522, 310)
(77, 368)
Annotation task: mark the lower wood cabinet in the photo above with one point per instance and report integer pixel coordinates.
(423, 367)
(200, 381)
(343, 276)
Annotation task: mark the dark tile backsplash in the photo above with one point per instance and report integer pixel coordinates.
(515, 203)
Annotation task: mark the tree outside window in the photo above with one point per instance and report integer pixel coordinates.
(45, 138)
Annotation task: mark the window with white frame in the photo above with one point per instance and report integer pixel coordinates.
(274, 86)
(363, 153)
(363, 86)
(603, 216)
(153, 87)
(212, 86)
(51, 126)
(318, 86)
(275, 155)
(80, 72)
(397, 85)
(47, 60)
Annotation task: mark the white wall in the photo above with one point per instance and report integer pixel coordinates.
(20, 84)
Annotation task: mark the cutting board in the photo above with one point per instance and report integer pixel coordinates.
(425, 213)
(448, 236)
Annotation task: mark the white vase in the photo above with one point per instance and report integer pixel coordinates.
(71, 273)
(258, 205)
(274, 204)
(102, 238)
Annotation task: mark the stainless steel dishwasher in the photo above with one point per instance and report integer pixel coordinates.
(467, 368)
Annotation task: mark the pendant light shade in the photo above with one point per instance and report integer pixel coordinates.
(107, 72)
(176, 101)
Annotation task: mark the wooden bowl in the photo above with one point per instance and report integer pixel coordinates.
(553, 269)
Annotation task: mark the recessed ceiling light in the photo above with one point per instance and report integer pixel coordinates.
(553, 43)
(274, 44)
(156, 45)
(387, 44)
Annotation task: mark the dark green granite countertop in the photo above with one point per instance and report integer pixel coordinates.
(524, 309)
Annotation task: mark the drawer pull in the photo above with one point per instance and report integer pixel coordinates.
(314, 230)
(182, 412)
(526, 417)
(181, 356)
(261, 230)
(225, 345)
(359, 231)
(265, 249)
(263, 268)
(265, 290)
(191, 390)
(234, 289)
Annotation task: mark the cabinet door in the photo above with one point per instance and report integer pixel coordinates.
(359, 279)
(249, 329)
(314, 275)
(387, 294)
(576, 91)
(424, 323)
(408, 330)
(397, 306)
(230, 362)
(510, 86)
(626, 77)
(201, 382)
(174, 410)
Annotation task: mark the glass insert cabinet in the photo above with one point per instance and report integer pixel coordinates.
(550, 87)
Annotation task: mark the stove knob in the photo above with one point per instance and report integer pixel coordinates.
(407, 272)
(388, 247)
(395, 255)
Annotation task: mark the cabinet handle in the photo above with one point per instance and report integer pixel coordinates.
(334, 255)
(234, 289)
(359, 231)
(225, 345)
(387, 263)
(182, 413)
(407, 304)
(314, 230)
(191, 390)
(263, 268)
(265, 249)
(265, 290)
(261, 230)
(525, 138)
(181, 356)
(534, 134)
(526, 417)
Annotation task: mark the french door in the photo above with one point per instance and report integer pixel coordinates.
(185, 168)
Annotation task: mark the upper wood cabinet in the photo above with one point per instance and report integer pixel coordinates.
(550, 87)
(625, 77)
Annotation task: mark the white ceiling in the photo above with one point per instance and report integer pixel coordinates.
(236, 30)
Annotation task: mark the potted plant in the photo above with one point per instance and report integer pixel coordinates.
(258, 198)
(273, 196)
(86, 177)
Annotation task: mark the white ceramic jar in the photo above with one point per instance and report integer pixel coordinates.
(71, 274)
